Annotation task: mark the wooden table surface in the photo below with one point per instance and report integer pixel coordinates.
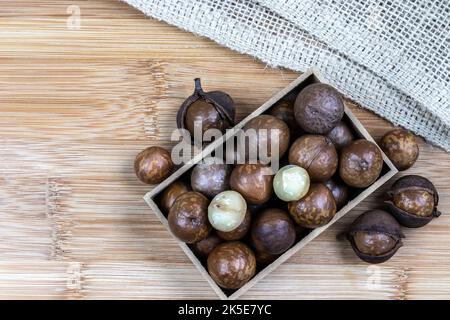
(76, 106)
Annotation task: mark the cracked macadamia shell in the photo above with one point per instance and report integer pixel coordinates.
(231, 264)
(318, 108)
(253, 182)
(153, 165)
(375, 236)
(316, 154)
(206, 110)
(315, 209)
(413, 201)
(360, 163)
(188, 217)
(401, 148)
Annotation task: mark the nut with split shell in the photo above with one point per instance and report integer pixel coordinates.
(210, 110)
(316, 154)
(413, 201)
(375, 236)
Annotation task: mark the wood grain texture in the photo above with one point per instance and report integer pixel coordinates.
(76, 106)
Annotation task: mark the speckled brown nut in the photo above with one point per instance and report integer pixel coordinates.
(231, 264)
(341, 135)
(253, 182)
(401, 148)
(316, 154)
(284, 110)
(375, 236)
(263, 128)
(188, 217)
(413, 201)
(211, 177)
(360, 163)
(153, 165)
(204, 247)
(273, 231)
(239, 232)
(171, 193)
(315, 209)
(318, 108)
(339, 190)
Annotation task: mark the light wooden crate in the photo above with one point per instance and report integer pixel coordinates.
(311, 76)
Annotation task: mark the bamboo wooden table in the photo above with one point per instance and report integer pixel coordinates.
(76, 106)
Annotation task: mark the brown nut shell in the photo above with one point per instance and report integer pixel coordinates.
(371, 226)
(284, 110)
(374, 243)
(214, 109)
(401, 148)
(315, 209)
(171, 193)
(203, 248)
(211, 177)
(411, 199)
(153, 165)
(260, 130)
(341, 135)
(339, 190)
(188, 217)
(316, 154)
(253, 182)
(360, 163)
(318, 108)
(265, 258)
(239, 232)
(231, 264)
(204, 114)
(273, 232)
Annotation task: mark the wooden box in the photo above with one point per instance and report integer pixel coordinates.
(311, 76)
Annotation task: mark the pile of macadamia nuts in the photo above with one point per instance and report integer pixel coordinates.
(239, 217)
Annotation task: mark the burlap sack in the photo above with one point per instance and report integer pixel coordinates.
(392, 57)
